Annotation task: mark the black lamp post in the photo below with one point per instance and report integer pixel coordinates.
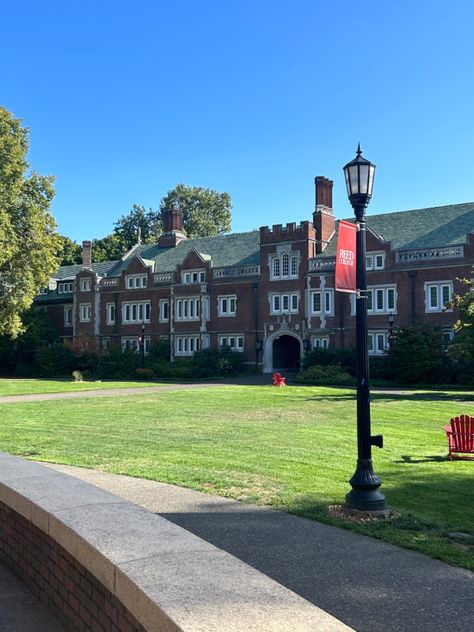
(365, 494)
(391, 320)
(142, 346)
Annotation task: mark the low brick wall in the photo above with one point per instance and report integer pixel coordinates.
(101, 563)
(76, 598)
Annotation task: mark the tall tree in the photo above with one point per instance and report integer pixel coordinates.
(28, 238)
(109, 248)
(70, 252)
(206, 213)
(148, 222)
(462, 347)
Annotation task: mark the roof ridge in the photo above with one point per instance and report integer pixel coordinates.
(425, 208)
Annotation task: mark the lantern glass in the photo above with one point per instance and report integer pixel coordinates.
(359, 174)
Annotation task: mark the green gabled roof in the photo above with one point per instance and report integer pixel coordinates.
(420, 228)
(66, 272)
(235, 249)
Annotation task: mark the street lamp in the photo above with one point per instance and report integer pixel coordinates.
(391, 320)
(142, 346)
(365, 494)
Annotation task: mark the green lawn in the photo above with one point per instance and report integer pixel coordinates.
(19, 386)
(292, 448)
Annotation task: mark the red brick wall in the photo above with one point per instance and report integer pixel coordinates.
(77, 599)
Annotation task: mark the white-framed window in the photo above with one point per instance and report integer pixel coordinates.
(85, 285)
(377, 342)
(68, 316)
(375, 261)
(284, 266)
(284, 303)
(437, 295)
(85, 312)
(233, 341)
(134, 343)
(322, 302)
(380, 300)
(320, 342)
(164, 310)
(136, 281)
(227, 305)
(187, 345)
(136, 312)
(67, 287)
(110, 313)
(187, 308)
(43, 290)
(193, 276)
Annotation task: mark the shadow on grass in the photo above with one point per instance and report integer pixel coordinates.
(405, 396)
(434, 458)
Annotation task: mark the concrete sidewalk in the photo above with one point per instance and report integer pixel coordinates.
(369, 585)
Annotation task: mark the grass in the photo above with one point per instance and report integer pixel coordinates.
(292, 448)
(20, 386)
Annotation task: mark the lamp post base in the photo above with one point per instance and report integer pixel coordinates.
(365, 494)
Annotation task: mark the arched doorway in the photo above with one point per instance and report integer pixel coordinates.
(286, 353)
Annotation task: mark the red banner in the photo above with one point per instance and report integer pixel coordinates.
(346, 258)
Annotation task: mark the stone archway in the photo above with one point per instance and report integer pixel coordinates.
(283, 352)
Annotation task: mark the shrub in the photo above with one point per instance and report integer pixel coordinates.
(417, 356)
(54, 360)
(144, 373)
(345, 358)
(118, 364)
(215, 363)
(331, 374)
(77, 376)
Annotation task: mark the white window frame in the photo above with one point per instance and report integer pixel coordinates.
(440, 306)
(227, 305)
(164, 307)
(187, 345)
(68, 316)
(373, 292)
(187, 309)
(111, 313)
(284, 266)
(326, 302)
(373, 342)
(234, 342)
(193, 276)
(136, 281)
(66, 287)
(284, 303)
(320, 342)
(134, 312)
(372, 263)
(85, 285)
(85, 312)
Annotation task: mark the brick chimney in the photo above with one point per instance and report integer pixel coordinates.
(323, 218)
(87, 254)
(173, 231)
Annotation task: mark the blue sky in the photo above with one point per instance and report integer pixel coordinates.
(126, 99)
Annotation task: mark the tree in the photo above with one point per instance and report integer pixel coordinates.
(109, 248)
(148, 221)
(416, 354)
(28, 239)
(462, 347)
(206, 213)
(70, 252)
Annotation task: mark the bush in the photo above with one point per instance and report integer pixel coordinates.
(77, 376)
(331, 374)
(144, 374)
(417, 356)
(345, 358)
(54, 360)
(118, 364)
(216, 363)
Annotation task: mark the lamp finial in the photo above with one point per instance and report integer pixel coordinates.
(359, 150)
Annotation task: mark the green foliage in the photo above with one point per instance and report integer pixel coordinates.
(206, 213)
(77, 376)
(109, 248)
(159, 352)
(216, 363)
(461, 349)
(127, 226)
(28, 238)
(118, 364)
(416, 355)
(144, 373)
(345, 358)
(330, 374)
(69, 251)
(54, 360)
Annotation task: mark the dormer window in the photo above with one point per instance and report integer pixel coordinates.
(375, 261)
(66, 287)
(85, 285)
(193, 276)
(135, 281)
(284, 266)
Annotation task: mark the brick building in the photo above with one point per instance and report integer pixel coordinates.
(268, 294)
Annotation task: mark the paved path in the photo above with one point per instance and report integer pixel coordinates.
(369, 585)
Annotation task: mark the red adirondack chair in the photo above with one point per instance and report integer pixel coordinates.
(461, 437)
(279, 380)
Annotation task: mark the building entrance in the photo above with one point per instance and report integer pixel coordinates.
(286, 353)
